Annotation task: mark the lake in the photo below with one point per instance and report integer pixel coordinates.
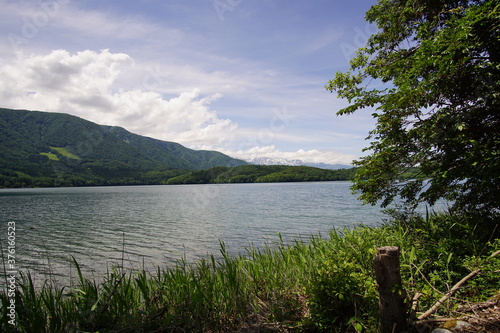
(149, 226)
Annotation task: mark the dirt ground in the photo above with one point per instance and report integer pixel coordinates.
(483, 317)
(480, 318)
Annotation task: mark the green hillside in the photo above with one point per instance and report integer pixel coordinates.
(54, 149)
(168, 152)
(262, 174)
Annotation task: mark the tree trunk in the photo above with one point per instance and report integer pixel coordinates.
(392, 305)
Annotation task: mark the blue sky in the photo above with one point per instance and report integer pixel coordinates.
(239, 76)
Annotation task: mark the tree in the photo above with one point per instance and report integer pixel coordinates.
(432, 72)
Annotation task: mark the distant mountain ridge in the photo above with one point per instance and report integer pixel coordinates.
(76, 151)
(296, 162)
(262, 174)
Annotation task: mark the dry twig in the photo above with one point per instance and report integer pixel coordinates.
(457, 286)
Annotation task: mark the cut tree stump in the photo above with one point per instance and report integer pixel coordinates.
(392, 305)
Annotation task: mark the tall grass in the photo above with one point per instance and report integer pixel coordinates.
(322, 284)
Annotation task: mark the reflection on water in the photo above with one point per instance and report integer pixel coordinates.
(147, 226)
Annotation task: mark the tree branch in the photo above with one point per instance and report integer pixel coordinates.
(452, 291)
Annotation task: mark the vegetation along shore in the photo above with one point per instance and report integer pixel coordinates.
(432, 73)
(323, 284)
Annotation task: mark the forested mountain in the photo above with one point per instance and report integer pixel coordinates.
(54, 149)
(262, 174)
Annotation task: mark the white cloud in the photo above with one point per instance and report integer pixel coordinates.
(320, 42)
(111, 88)
(100, 24)
(86, 84)
(176, 72)
(313, 155)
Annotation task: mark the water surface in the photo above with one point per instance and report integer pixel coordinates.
(156, 225)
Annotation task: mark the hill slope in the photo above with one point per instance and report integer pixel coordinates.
(262, 174)
(54, 149)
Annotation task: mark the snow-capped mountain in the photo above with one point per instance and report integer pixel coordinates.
(283, 161)
(273, 161)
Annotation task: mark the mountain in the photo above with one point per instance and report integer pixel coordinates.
(55, 149)
(262, 174)
(283, 161)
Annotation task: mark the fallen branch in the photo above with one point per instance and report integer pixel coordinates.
(452, 291)
(475, 307)
(414, 302)
(443, 299)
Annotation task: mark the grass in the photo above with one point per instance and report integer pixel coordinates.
(323, 284)
(51, 156)
(61, 151)
(64, 152)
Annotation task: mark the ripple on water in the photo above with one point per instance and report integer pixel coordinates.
(157, 225)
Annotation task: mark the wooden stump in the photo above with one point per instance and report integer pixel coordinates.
(392, 306)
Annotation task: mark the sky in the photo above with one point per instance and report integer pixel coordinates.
(243, 77)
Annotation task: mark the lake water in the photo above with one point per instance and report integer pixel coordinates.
(156, 225)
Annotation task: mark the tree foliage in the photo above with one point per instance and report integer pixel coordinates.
(432, 71)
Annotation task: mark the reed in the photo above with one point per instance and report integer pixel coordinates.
(321, 284)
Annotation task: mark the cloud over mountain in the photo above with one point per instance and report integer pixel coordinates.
(188, 72)
(86, 84)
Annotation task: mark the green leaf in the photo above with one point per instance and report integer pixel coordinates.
(432, 74)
